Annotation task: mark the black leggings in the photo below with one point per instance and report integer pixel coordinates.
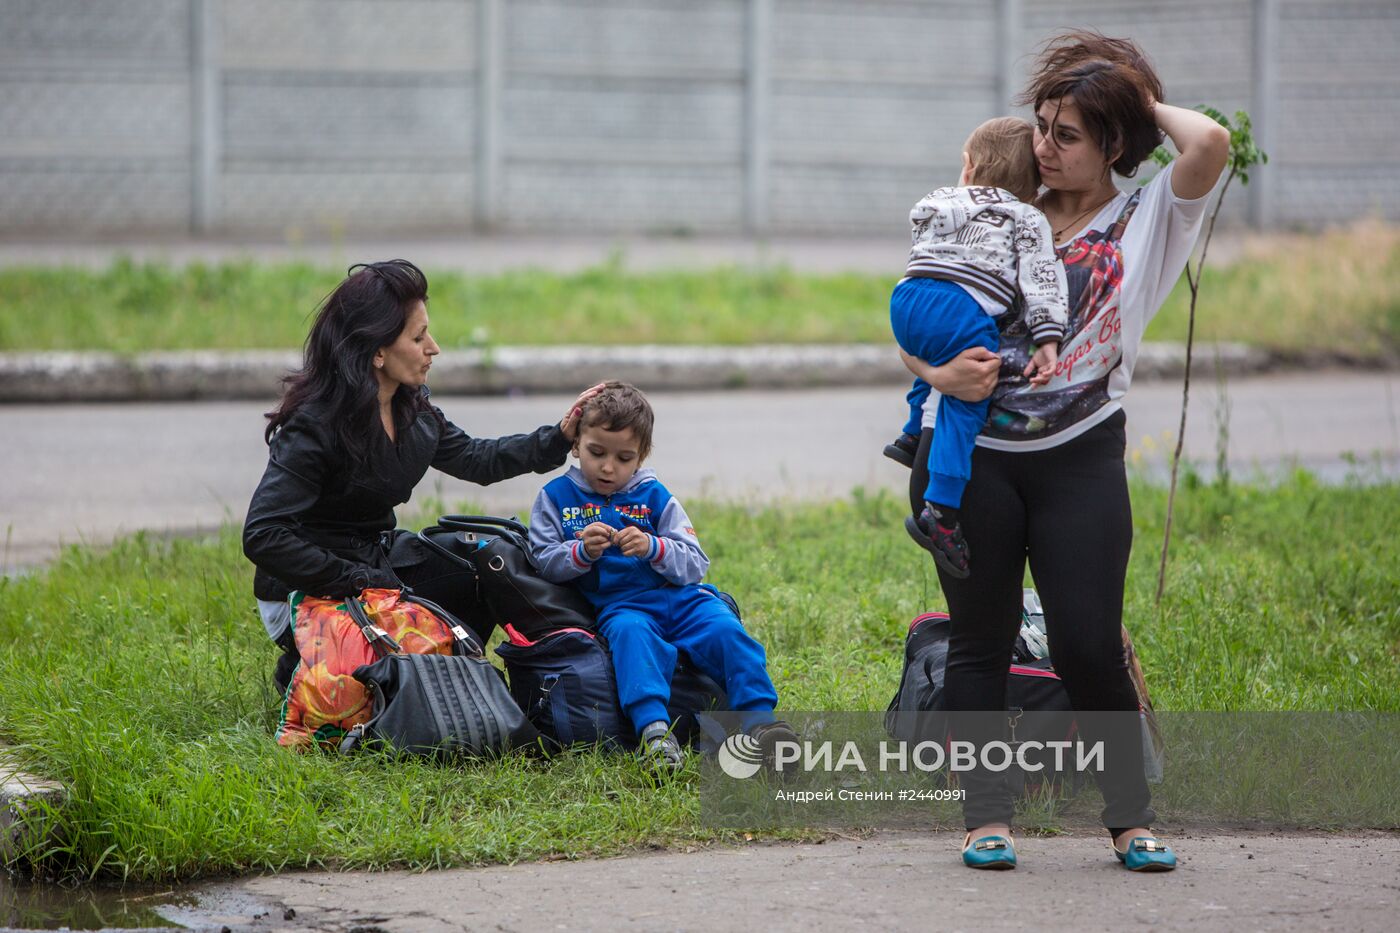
(1066, 509)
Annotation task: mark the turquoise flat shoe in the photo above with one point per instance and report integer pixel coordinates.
(1145, 853)
(994, 852)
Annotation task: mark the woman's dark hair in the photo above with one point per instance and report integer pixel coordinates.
(365, 312)
(1110, 81)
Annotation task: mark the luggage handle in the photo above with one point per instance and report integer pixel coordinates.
(381, 641)
(352, 738)
(425, 537)
(473, 523)
(384, 644)
(492, 531)
(463, 636)
(503, 528)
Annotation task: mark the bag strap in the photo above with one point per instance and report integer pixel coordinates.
(425, 536)
(506, 529)
(353, 738)
(496, 534)
(558, 701)
(381, 641)
(465, 639)
(473, 523)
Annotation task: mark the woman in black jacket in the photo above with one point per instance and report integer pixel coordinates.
(353, 435)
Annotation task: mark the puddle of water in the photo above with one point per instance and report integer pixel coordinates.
(33, 906)
(28, 906)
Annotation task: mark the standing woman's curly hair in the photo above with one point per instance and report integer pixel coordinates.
(1111, 81)
(365, 312)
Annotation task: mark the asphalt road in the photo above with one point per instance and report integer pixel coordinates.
(1228, 881)
(89, 473)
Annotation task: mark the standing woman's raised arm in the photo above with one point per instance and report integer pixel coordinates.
(1204, 146)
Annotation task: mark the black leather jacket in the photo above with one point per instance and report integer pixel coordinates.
(315, 525)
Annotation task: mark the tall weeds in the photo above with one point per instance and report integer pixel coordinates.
(1244, 155)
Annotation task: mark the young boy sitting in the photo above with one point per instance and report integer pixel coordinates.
(975, 248)
(621, 536)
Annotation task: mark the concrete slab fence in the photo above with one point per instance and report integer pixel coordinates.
(314, 117)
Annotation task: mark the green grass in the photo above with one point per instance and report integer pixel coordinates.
(139, 677)
(1333, 293)
(1338, 292)
(132, 307)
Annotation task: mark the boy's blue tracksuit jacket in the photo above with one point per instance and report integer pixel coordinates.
(567, 505)
(650, 606)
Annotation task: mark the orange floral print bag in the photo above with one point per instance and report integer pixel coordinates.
(335, 637)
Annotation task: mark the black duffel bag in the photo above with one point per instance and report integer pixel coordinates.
(437, 705)
(509, 587)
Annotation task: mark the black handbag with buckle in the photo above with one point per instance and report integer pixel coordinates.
(436, 705)
(508, 583)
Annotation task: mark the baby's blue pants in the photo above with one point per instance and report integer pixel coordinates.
(645, 630)
(935, 321)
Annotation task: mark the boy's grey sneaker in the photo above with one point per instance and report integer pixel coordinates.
(768, 735)
(660, 749)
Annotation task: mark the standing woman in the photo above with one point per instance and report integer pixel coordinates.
(353, 435)
(1048, 480)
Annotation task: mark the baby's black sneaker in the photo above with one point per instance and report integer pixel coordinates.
(946, 544)
(903, 450)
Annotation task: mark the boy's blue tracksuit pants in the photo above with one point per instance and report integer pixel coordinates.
(935, 321)
(645, 630)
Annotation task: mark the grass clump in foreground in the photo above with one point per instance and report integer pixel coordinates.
(1334, 292)
(139, 677)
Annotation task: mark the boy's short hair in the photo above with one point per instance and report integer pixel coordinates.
(618, 407)
(1002, 152)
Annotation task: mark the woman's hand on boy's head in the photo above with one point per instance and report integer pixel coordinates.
(633, 542)
(569, 423)
(596, 539)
